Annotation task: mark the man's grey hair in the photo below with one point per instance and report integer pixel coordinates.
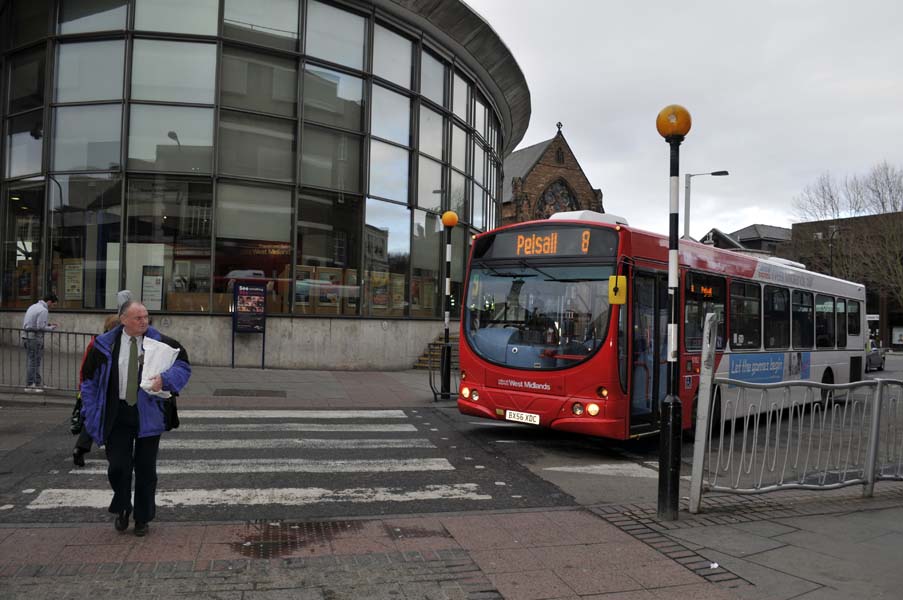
(126, 306)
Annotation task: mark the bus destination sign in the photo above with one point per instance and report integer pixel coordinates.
(548, 242)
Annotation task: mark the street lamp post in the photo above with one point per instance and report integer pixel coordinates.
(449, 220)
(688, 176)
(673, 123)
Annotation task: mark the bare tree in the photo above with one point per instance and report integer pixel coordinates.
(854, 228)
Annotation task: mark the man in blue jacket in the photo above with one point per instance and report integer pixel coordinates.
(125, 418)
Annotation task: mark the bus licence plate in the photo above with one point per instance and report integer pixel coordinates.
(522, 417)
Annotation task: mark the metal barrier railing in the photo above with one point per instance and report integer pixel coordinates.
(435, 352)
(60, 359)
(759, 438)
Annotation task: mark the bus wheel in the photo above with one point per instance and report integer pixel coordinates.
(827, 378)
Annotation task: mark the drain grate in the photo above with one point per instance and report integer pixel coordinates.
(272, 539)
(249, 393)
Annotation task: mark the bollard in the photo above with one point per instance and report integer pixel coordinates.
(669, 459)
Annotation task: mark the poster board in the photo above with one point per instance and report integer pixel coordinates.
(398, 300)
(250, 303)
(329, 287)
(152, 287)
(73, 276)
(379, 290)
(351, 284)
(303, 277)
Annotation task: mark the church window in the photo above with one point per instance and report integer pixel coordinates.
(557, 198)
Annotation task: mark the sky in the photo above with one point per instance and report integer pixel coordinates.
(780, 92)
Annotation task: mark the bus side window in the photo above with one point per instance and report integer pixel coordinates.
(841, 322)
(777, 317)
(703, 294)
(854, 326)
(824, 321)
(803, 320)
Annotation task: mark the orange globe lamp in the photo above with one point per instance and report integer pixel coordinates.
(673, 121)
(449, 218)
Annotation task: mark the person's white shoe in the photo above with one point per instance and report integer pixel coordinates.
(39, 390)
(29, 388)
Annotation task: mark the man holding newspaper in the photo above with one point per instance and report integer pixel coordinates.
(126, 376)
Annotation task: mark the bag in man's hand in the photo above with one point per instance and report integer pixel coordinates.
(171, 412)
(77, 421)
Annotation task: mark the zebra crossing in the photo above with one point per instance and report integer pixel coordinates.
(242, 464)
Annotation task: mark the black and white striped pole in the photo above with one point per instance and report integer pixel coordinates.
(449, 220)
(673, 124)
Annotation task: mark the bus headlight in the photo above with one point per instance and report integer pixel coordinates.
(475, 396)
(465, 392)
(602, 391)
(593, 409)
(577, 408)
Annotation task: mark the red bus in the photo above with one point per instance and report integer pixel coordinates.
(564, 324)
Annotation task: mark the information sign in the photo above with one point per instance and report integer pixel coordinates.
(250, 302)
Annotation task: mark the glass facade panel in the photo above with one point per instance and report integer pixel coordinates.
(85, 214)
(259, 82)
(387, 253)
(477, 207)
(86, 138)
(171, 138)
(80, 16)
(89, 71)
(177, 16)
(331, 159)
(458, 196)
(265, 22)
(426, 259)
(479, 161)
(431, 124)
(253, 242)
(388, 171)
(459, 148)
(459, 99)
(335, 35)
(392, 56)
(21, 245)
(479, 118)
(332, 98)
(327, 275)
(429, 185)
(24, 144)
(173, 71)
(391, 116)
(432, 78)
(255, 146)
(26, 80)
(29, 21)
(168, 233)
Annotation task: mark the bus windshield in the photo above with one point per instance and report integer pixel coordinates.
(537, 317)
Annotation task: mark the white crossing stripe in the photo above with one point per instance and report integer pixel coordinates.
(292, 414)
(67, 498)
(628, 469)
(347, 428)
(169, 443)
(275, 465)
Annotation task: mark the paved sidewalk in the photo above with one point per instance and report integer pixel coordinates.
(826, 545)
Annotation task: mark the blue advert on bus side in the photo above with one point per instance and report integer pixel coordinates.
(771, 367)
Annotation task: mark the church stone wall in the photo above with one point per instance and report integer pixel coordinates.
(546, 171)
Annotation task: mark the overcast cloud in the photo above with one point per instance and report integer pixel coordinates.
(779, 92)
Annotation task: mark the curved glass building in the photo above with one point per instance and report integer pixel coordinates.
(175, 148)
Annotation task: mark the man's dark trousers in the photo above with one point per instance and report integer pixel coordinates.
(125, 451)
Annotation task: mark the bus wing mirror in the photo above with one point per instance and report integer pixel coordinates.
(617, 289)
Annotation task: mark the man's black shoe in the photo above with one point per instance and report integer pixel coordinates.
(141, 529)
(78, 457)
(122, 521)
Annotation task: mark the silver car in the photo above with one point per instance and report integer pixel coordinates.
(874, 357)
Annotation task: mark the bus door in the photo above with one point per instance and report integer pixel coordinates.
(649, 364)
